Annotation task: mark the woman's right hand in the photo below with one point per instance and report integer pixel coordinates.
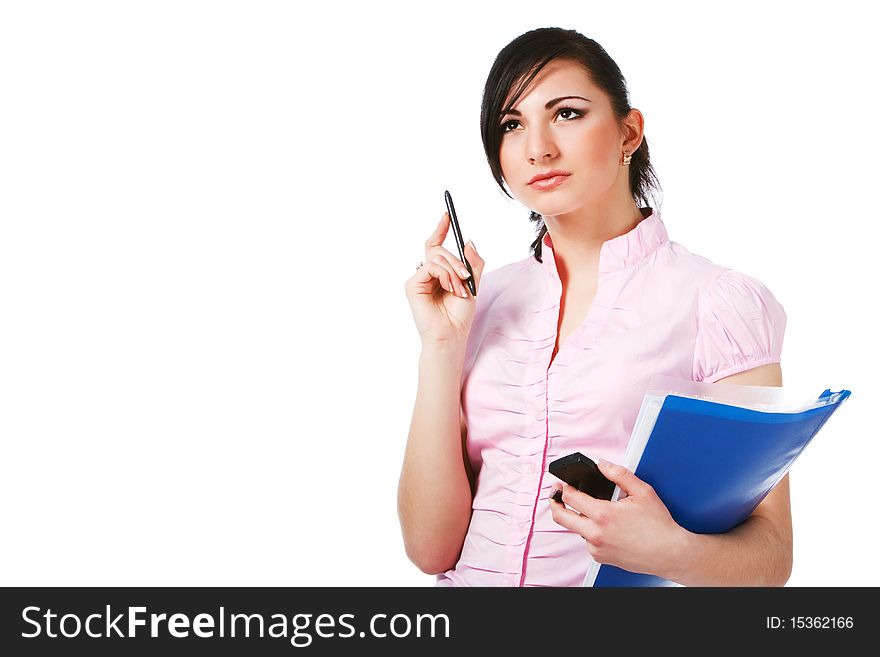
(441, 315)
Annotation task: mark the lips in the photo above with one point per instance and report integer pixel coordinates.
(548, 183)
(548, 174)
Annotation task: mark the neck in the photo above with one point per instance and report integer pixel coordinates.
(578, 236)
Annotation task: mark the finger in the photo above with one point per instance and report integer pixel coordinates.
(444, 276)
(434, 274)
(476, 262)
(574, 521)
(624, 478)
(452, 279)
(454, 265)
(461, 271)
(439, 235)
(459, 266)
(584, 503)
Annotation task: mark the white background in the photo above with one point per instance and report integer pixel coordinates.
(209, 211)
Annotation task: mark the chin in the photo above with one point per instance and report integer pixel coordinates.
(556, 209)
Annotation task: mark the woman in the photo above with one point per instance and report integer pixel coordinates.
(554, 354)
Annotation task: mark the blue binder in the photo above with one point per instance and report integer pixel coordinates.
(712, 463)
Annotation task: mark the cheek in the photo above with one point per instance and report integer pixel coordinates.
(595, 147)
(507, 161)
(503, 155)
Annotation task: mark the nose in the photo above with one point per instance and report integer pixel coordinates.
(540, 144)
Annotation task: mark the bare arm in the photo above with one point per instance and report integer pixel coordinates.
(759, 551)
(435, 492)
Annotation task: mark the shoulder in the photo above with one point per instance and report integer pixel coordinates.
(734, 291)
(740, 325)
(698, 269)
(714, 282)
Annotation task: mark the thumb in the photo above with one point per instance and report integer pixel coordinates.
(476, 262)
(622, 477)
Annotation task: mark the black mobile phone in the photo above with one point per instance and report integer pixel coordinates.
(459, 241)
(581, 472)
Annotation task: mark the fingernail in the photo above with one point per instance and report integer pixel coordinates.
(473, 246)
(611, 468)
(464, 272)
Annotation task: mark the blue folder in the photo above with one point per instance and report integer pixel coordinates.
(712, 463)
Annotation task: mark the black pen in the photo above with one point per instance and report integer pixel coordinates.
(459, 242)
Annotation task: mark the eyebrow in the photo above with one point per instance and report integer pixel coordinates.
(549, 104)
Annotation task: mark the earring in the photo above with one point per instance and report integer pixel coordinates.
(626, 158)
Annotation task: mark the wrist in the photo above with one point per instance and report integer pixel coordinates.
(442, 360)
(446, 349)
(685, 552)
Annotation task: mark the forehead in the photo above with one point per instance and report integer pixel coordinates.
(558, 78)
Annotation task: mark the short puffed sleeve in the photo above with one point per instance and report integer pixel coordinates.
(740, 326)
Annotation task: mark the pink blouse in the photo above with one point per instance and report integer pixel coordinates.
(658, 309)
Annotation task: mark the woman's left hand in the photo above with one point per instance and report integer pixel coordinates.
(636, 533)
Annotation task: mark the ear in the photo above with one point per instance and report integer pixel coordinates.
(633, 130)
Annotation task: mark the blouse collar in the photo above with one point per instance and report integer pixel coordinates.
(621, 252)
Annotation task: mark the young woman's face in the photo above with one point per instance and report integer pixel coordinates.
(577, 134)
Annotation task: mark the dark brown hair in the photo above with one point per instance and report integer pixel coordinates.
(522, 59)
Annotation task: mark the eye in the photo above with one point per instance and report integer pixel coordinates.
(569, 109)
(506, 125)
(503, 127)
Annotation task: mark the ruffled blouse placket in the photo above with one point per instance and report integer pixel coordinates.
(615, 256)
